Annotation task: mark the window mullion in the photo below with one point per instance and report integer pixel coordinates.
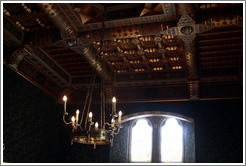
(156, 144)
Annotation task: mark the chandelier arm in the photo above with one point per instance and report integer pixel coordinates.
(108, 123)
(64, 120)
(117, 131)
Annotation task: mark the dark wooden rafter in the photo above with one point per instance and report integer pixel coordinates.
(221, 53)
(67, 57)
(220, 63)
(222, 47)
(76, 73)
(220, 34)
(71, 61)
(219, 60)
(75, 64)
(78, 68)
(220, 41)
(61, 51)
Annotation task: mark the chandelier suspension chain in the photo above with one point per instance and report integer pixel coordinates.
(94, 75)
(89, 94)
(104, 111)
(85, 103)
(102, 58)
(101, 105)
(89, 105)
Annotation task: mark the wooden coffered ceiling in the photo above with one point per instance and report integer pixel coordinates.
(151, 51)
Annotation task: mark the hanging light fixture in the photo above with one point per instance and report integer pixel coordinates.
(90, 132)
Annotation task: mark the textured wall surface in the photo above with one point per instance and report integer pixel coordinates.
(189, 142)
(119, 150)
(32, 123)
(219, 131)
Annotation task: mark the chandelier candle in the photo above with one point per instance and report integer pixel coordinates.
(77, 117)
(73, 121)
(119, 117)
(65, 102)
(90, 117)
(112, 122)
(114, 105)
(96, 126)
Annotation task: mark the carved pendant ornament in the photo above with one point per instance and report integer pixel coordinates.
(186, 29)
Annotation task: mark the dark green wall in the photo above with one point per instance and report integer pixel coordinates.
(32, 128)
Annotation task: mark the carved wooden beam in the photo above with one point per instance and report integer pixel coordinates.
(69, 36)
(187, 29)
(16, 58)
(49, 67)
(58, 18)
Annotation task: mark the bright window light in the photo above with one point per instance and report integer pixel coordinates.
(171, 141)
(141, 142)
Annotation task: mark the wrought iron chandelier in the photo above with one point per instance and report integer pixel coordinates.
(92, 133)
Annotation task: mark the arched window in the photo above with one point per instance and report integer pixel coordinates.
(155, 137)
(141, 142)
(171, 141)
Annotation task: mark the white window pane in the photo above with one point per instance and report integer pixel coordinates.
(171, 141)
(141, 142)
